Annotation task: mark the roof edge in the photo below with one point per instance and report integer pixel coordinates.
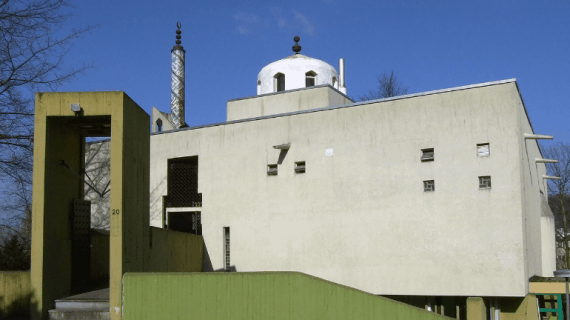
(413, 95)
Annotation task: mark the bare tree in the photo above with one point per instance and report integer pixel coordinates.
(32, 50)
(559, 198)
(388, 86)
(98, 182)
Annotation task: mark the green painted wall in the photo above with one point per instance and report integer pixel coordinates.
(257, 295)
(15, 293)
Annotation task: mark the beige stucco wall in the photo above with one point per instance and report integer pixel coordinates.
(538, 219)
(360, 217)
(166, 124)
(284, 102)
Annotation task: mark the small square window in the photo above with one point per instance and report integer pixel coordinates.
(427, 155)
(429, 185)
(485, 182)
(300, 167)
(271, 169)
(483, 150)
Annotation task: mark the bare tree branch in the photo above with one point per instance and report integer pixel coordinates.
(388, 86)
(559, 198)
(33, 47)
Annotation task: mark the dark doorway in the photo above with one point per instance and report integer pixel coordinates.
(189, 222)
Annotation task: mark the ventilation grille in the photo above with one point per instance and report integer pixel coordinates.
(485, 182)
(429, 185)
(300, 167)
(271, 169)
(427, 155)
(483, 150)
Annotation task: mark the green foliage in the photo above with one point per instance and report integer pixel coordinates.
(14, 253)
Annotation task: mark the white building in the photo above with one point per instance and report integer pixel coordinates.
(438, 193)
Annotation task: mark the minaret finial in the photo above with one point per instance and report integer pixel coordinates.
(296, 47)
(178, 32)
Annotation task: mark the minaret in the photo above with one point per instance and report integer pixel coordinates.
(177, 82)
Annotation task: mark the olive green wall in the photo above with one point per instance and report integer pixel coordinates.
(56, 140)
(519, 308)
(256, 295)
(15, 293)
(131, 245)
(175, 251)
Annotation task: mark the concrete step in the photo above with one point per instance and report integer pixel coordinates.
(85, 306)
(57, 314)
(94, 305)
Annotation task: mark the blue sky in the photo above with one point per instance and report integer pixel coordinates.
(430, 44)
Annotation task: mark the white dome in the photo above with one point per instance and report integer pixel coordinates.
(299, 71)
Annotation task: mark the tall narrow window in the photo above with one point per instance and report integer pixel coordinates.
(159, 125)
(310, 79)
(279, 82)
(227, 249)
(334, 83)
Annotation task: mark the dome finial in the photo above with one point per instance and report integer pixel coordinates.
(178, 32)
(296, 47)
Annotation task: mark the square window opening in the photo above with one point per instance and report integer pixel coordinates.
(483, 150)
(300, 167)
(427, 155)
(429, 186)
(271, 169)
(485, 182)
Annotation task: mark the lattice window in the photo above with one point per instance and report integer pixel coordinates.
(227, 249)
(183, 183)
(429, 186)
(485, 182)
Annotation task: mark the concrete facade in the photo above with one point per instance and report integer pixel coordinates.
(359, 215)
(321, 96)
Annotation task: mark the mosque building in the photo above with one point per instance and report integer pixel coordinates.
(303, 204)
(428, 198)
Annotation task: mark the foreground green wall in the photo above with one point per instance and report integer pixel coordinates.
(258, 295)
(15, 293)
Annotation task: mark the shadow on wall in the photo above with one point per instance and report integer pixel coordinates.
(17, 308)
(15, 294)
(155, 197)
(207, 263)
